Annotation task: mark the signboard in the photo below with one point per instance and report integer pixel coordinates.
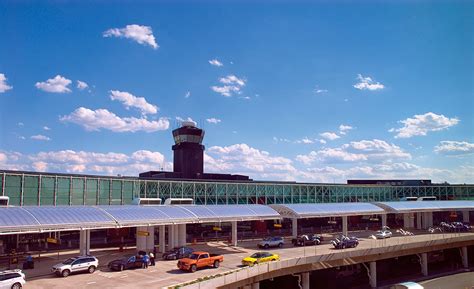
(217, 228)
(143, 233)
(52, 240)
(277, 225)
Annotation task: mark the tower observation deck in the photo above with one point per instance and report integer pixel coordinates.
(188, 157)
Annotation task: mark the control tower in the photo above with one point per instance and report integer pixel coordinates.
(188, 150)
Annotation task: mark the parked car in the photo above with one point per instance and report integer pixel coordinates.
(305, 240)
(199, 260)
(345, 242)
(454, 227)
(383, 234)
(178, 253)
(76, 264)
(260, 257)
(407, 285)
(130, 262)
(271, 242)
(12, 279)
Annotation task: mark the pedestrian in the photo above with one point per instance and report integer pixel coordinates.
(152, 259)
(145, 261)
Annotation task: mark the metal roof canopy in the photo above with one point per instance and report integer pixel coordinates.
(26, 219)
(321, 210)
(426, 206)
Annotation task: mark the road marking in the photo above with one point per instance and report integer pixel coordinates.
(124, 276)
(89, 283)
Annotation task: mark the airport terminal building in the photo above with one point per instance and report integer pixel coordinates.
(188, 180)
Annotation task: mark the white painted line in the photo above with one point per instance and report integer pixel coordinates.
(89, 283)
(125, 276)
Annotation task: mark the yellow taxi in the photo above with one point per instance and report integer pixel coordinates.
(260, 257)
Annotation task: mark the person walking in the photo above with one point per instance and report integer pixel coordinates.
(145, 261)
(152, 259)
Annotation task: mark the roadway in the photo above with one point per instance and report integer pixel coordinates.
(165, 273)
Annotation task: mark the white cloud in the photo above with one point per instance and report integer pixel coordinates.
(130, 100)
(343, 129)
(188, 94)
(366, 83)
(232, 84)
(141, 34)
(58, 84)
(318, 90)
(46, 128)
(40, 137)
(213, 120)
(329, 135)
(3, 83)
(188, 119)
(94, 120)
(305, 140)
(20, 124)
(243, 159)
(450, 147)
(360, 151)
(81, 85)
(215, 62)
(421, 124)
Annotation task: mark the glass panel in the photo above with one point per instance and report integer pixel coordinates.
(91, 192)
(13, 189)
(62, 194)
(104, 194)
(30, 191)
(47, 191)
(127, 192)
(77, 191)
(16, 217)
(116, 192)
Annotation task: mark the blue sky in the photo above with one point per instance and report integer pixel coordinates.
(317, 92)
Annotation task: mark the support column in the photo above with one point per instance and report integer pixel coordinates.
(162, 239)
(170, 237)
(141, 239)
(294, 227)
(465, 216)
(418, 220)
(424, 264)
(181, 235)
(84, 242)
(305, 280)
(465, 260)
(234, 233)
(406, 220)
(384, 220)
(373, 274)
(427, 220)
(344, 225)
(176, 236)
(150, 239)
(256, 285)
(412, 220)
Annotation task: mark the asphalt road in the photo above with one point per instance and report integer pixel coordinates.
(457, 281)
(165, 273)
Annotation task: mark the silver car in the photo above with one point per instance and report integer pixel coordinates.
(271, 242)
(76, 264)
(383, 234)
(12, 279)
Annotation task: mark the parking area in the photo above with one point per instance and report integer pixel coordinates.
(165, 273)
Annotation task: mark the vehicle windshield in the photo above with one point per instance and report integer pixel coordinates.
(131, 259)
(194, 256)
(267, 239)
(256, 255)
(69, 261)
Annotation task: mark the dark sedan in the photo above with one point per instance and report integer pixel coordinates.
(126, 263)
(178, 253)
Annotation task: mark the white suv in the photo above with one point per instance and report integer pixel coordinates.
(76, 264)
(12, 279)
(271, 242)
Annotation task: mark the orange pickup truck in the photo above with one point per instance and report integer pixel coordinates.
(199, 260)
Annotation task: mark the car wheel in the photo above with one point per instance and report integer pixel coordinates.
(193, 268)
(266, 246)
(343, 246)
(216, 264)
(175, 257)
(121, 268)
(65, 273)
(91, 269)
(255, 263)
(280, 245)
(16, 286)
(273, 259)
